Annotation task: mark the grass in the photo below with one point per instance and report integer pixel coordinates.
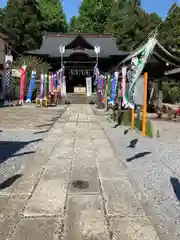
(126, 121)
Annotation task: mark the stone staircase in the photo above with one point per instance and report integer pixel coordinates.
(79, 98)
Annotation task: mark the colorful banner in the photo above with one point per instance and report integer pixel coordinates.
(52, 83)
(123, 86)
(113, 88)
(136, 68)
(45, 86)
(31, 86)
(49, 83)
(96, 74)
(8, 79)
(22, 83)
(89, 86)
(55, 81)
(41, 86)
(103, 89)
(63, 92)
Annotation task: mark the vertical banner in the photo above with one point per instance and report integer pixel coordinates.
(137, 66)
(52, 83)
(45, 86)
(55, 81)
(49, 83)
(22, 83)
(123, 86)
(31, 86)
(103, 89)
(63, 87)
(41, 86)
(113, 88)
(89, 86)
(8, 80)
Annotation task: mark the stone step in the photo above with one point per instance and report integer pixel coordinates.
(75, 98)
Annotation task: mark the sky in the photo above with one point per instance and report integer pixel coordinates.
(159, 6)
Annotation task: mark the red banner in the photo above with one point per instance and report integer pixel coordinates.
(52, 83)
(22, 82)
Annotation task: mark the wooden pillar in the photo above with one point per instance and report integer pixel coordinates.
(144, 104)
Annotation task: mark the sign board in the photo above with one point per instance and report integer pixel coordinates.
(79, 90)
(8, 58)
(139, 91)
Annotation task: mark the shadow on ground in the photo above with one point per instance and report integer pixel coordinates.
(176, 187)
(133, 143)
(9, 148)
(8, 182)
(139, 155)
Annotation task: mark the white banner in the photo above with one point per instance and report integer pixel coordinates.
(63, 91)
(89, 86)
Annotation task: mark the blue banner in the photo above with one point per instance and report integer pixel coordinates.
(55, 82)
(31, 86)
(113, 88)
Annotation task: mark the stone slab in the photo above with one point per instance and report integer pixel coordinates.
(120, 197)
(85, 218)
(97, 134)
(36, 228)
(132, 228)
(48, 199)
(84, 180)
(10, 216)
(62, 152)
(83, 158)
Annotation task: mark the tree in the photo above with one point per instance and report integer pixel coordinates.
(24, 20)
(53, 15)
(93, 15)
(74, 25)
(169, 32)
(130, 24)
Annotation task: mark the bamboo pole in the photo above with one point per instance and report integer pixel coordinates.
(144, 105)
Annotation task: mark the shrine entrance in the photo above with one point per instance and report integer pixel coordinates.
(76, 80)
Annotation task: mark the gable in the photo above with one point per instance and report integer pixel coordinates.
(79, 42)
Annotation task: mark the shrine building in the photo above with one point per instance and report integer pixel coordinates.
(79, 57)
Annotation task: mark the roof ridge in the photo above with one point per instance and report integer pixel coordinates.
(53, 34)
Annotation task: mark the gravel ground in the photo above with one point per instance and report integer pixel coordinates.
(153, 167)
(21, 130)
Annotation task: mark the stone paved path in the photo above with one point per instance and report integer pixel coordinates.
(73, 189)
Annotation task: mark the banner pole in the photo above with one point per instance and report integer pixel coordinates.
(132, 118)
(144, 105)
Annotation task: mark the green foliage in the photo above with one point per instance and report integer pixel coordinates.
(33, 63)
(93, 15)
(54, 19)
(171, 91)
(130, 24)
(25, 21)
(74, 25)
(170, 31)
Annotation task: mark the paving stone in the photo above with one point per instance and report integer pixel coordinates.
(84, 180)
(132, 228)
(120, 197)
(62, 152)
(83, 158)
(48, 199)
(109, 168)
(97, 134)
(85, 218)
(36, 228)
(11, 215)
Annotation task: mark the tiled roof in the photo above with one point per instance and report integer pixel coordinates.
(107, 43)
